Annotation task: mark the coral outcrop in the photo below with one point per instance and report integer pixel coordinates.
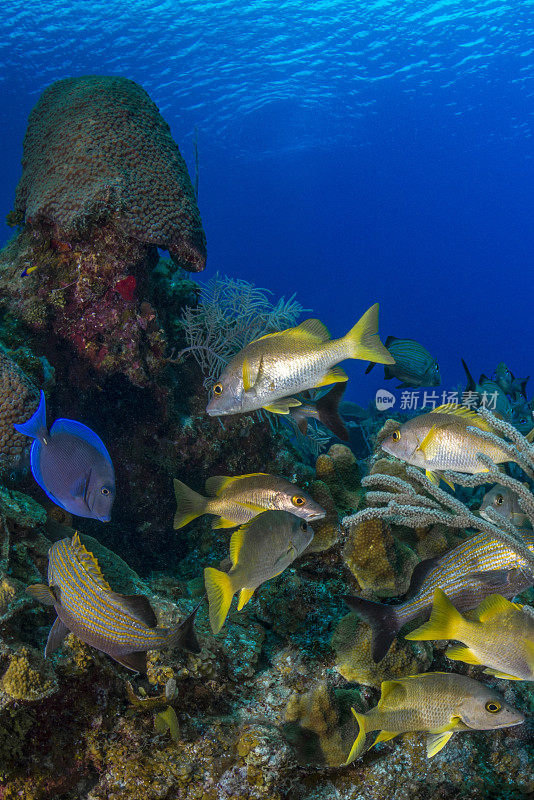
(19, 398)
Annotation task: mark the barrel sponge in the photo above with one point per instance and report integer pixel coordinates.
(19, 398)
(97, 147)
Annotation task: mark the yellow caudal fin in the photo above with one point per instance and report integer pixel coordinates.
(364, 341)
(220, 592)
(359, 743)
(445, 621)
(189, 504)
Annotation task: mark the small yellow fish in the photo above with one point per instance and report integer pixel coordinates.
(259, 550)
(440, 703)
(500, 635)
(440, 441)
(237, 500)
(268, 370)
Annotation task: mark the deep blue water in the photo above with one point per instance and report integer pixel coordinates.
(349, 152)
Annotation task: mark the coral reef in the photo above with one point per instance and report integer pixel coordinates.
(103, 185)
(96, 148)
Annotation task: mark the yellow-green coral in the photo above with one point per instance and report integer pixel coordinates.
(352, 643)
(27, 677)
(378, 561)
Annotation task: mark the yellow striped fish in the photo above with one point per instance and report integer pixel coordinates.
(123, 626)
(468, 573)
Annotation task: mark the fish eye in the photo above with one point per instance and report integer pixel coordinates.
(396, 435)
(217, 389)
(303, 526)
(298, 501)
(104, 490)
(499, 500)
(493, 706)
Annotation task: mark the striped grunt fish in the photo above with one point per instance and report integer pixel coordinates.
(414, 366)
(123, 626)
(478, 567)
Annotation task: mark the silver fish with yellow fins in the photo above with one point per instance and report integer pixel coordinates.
(414, 366)
(439, 703)
(440, 441)
(505, 503)
(123, 626)
(266, 372)
(468, 573)
(498, 634)
(259, 550)
(235, 500)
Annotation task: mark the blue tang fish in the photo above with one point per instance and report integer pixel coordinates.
(71, 464)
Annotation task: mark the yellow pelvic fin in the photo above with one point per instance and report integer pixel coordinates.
(244, 597)
(236, 543)
(89, 562)
(218, 483)
(459, 653)
(385, 736)
(364, 342)
(497, 674)
(392, 694)
(494, 605)
(359, 743)
(42, 593)
(436, 742)
(283, 405)
(530, 436)
(433, 477)
(334, 375)
(222, 522)
(189, 504)
(445, 621)
(220, 592)
(470, 415)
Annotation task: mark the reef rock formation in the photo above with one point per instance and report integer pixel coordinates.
(103, 185)
(18, 400)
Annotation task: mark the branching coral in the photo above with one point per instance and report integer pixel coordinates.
(395, 499)
(230, 314)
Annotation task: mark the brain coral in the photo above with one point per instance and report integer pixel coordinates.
(97, 147)
(18, 400)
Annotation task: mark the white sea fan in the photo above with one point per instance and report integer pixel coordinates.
(230, 314)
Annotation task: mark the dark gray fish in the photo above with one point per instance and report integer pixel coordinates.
(325, 410)
(71, 464)
(414, 366)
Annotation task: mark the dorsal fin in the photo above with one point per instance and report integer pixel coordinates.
(218, 483)
(236, 542)
(469, 414)
(493, 606)
(393, 692)
(88, 562)
(313, 329)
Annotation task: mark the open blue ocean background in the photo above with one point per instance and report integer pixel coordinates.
(349, 152)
